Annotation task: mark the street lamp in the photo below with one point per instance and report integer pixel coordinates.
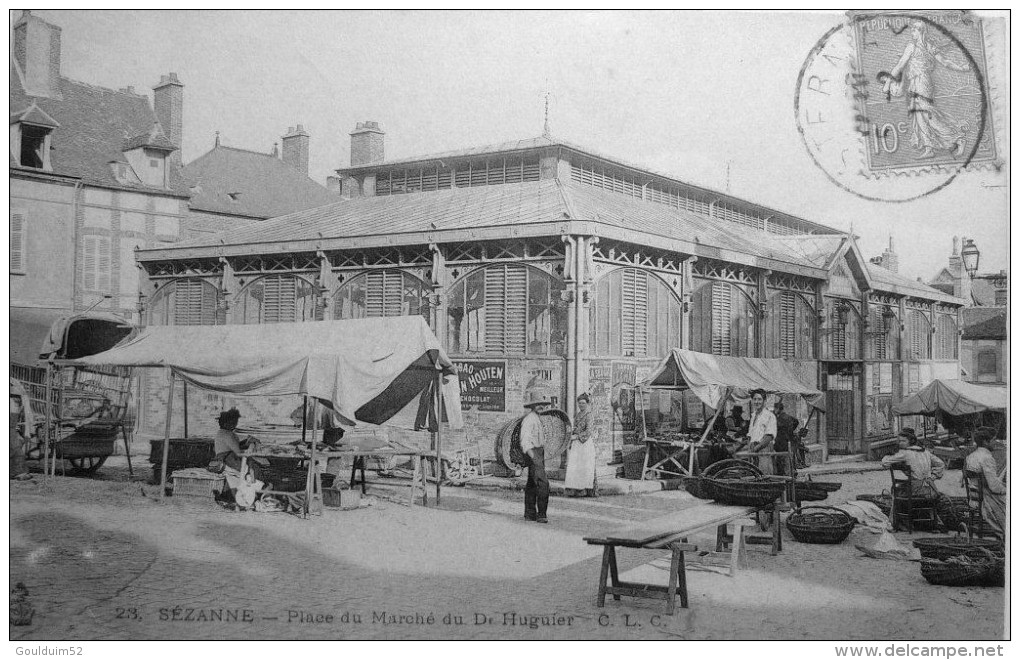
(971, 256)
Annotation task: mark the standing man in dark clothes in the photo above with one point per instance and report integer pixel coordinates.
(536, 492)
(786, 437)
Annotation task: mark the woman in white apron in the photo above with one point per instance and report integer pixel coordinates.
(581, 453)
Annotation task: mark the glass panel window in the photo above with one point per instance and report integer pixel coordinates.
(276, 299)
(381, 293)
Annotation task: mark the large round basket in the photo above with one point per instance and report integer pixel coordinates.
(760, 492)
(731, 468)
(963, 571)
(820, 524)
(555, 428)
(941, 547)
(699, 487)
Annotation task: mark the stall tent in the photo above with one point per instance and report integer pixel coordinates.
(954, 397)
(376, 370)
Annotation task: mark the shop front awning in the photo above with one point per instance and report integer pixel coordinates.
(713, 377)
(954, 397)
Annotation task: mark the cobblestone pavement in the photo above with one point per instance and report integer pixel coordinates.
(107, 560)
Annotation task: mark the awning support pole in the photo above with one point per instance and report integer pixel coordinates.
(166, 435)
(49, 420)
(185, 410)
(708, 429)
(311, 464)
(439, 434)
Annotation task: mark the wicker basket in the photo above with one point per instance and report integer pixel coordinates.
(633, 462)
(731, 468)
(341, 499)
(820, 524)
(286, 474)
(760, 493)
(827, 486)
(804, 493)
(197, 482)
(940, 547)
(699, 487)
(963, 571)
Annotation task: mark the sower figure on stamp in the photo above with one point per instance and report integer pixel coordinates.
(931, 127)
(536, 492)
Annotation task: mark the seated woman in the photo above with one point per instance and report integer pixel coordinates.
(228, 449)
(980, 464)
(924, 468)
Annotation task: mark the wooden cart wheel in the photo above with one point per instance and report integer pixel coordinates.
(87, 465)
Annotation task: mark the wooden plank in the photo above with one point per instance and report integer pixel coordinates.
(679, 523)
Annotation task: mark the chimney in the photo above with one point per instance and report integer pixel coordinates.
(37, 51)
(295, 148)
(367, 144)
(1001, 289)
(890, 260)
(168, 102)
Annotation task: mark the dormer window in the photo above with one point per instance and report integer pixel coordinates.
(31, 133)
(146, 155)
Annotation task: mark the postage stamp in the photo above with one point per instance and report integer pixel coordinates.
(900, 95)
(928, 85)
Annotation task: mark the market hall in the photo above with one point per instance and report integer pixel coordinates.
(544, 264)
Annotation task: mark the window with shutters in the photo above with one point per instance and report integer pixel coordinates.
(509, 309)
(19, 241)
(634, 313)
(988, 364)
(723, 320)
(186, 302)
(791, 326)
(381, 293)
(841, 330)
(277, 299)
(946, 338)
(96, 264)
(919, 332)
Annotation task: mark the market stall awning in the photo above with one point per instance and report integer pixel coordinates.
(954, 397)
(711, 376)
(378, 370)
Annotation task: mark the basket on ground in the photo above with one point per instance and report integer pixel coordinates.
(883, 501)
(197, 482)
(820, 524)
(731, 468)
(941, 547)
(761, 492)
(699, 487)
(964, 571)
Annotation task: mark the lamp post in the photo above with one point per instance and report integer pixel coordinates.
(971, 257)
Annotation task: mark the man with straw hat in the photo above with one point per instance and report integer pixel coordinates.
(536, 492)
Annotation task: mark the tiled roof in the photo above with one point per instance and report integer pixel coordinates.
(596, 205)
(551, 141)
(984, 323)
(94, 123)
(154, 139)
(459, 208)
(241, 182)
(886, 280)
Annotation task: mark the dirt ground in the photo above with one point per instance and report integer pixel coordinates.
(104, 559)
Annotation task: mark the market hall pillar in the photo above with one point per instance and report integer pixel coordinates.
(686, 296)
(437, 299)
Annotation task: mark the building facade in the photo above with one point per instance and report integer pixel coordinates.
(541, 263)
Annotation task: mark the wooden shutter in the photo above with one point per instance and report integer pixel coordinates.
(787, 324)
(18, 242)
(506, 305)
(194, 303)
(279, 299)
(91, 254)
(516, 308)
(722, 303)
(635, 312)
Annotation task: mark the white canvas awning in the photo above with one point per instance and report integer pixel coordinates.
(378, 370)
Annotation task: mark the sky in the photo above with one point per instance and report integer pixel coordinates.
(705, 97)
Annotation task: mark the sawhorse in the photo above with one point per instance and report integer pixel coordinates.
(609, 577)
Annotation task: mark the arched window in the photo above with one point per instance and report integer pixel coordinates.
(186, 302)
(946, 338)
(841, 331)
(919, 332)
(723, 320)
(634, 314)
(511, 309)
(791, 326)
(381, 293)
(883, 337)
(276, 299)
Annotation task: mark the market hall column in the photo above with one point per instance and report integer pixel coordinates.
(327, 283)
(228, 289)
(569, 297)
(686, 296)
(437, 298)
(585, 276)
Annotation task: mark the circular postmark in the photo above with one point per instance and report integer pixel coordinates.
(893, 106)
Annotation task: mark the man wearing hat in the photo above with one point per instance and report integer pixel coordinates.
(924, 468)
(536, 492)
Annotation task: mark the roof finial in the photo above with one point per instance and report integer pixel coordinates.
(545, 128)
(217, 138)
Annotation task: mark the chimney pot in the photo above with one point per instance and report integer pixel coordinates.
(367, 144)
